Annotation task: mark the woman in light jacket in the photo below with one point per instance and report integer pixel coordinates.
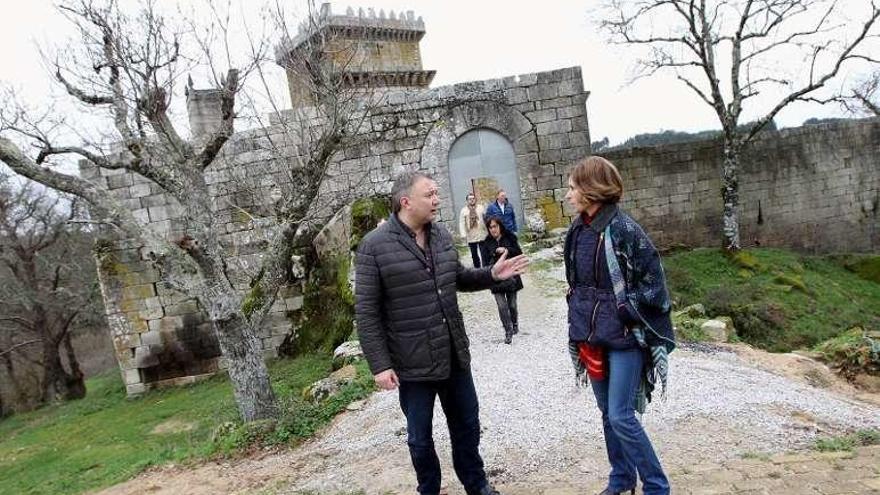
(472, 229)
(618, 320)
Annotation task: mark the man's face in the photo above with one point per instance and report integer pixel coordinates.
(471, 199)
(423, 200)
(502, 198)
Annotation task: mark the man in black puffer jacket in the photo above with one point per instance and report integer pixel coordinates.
(412, 332)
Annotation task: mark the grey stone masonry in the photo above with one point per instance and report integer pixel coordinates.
(814, 188)
(163, 337)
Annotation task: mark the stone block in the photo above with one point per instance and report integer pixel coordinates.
(183, 308)
(119, 181)
(549, 156)
(139, 190)
(516, 95)
(553, 103)
(571, 87)
(132, 376)
(144, 357)
(135, 389)
(527, 162)
(540, 116)
(548, 182)
(143, 291)
(553, 127)
(294, 303)
(526, 144)
(571, 111)
(717, 330)
(553, 142)
(543, 91)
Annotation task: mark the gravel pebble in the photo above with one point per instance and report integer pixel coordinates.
(538, 426)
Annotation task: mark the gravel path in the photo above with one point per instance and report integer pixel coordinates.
(538, 427)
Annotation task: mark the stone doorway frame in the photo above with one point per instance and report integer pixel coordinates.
(458, 120)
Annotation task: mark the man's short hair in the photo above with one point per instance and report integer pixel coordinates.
(403, 187)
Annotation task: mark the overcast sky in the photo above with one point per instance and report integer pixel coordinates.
(470, 40)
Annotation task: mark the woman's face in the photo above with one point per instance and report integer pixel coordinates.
(575, 198)
(494, 230)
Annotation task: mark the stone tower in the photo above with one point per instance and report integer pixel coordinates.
(363, 49)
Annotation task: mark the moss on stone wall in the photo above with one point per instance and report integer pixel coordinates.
(365, 214)
(327, 316)
(551, 211)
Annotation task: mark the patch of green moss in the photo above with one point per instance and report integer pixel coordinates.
(551, 211)
(745, 259)
(327, 316)
(784, 301)
(108, 263)
(253, 300)
(794, 281)
(866, 266)
(366, 214)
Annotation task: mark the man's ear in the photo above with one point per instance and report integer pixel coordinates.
(404, 202)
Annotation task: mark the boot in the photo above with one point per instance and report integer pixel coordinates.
(489, 490)
(609, 492)
(508, 337)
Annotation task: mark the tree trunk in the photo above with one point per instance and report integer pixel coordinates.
(76, 378)
(58, 385)
(730, 195)
(247, 369)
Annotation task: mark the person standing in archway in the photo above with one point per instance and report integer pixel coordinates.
(471, 228)
(502, 209)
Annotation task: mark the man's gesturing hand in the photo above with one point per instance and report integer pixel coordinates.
(505, 268)
(387, 380)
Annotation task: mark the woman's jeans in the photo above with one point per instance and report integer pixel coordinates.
(627, 444)
(476, 249)
(459, 401)
(506, 302)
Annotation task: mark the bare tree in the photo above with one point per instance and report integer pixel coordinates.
(49, 288)
(133, 64)
(864, 98)
(753, 39)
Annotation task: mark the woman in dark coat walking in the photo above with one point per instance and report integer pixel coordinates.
(499, 241)
(619, 327)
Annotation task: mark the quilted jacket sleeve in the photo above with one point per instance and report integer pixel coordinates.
(368, 310)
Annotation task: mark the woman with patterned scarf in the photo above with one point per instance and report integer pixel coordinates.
(619, 325)
(472, 229)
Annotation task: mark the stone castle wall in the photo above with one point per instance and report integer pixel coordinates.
(814, 188)
(162, 337)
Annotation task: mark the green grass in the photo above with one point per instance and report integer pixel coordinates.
(105, 438)
(779, 300)
(846, 443)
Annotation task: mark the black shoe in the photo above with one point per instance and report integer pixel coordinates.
(489, 490)
(606, 491)
(508, 338)
(515, 329)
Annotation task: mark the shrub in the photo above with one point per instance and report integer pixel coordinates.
(852, 353)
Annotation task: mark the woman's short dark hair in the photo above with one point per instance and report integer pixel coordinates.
(403, 187)
(497, 219)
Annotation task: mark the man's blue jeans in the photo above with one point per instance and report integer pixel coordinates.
(628, 447)
(459, 401)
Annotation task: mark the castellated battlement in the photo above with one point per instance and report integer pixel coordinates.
(369, 50)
